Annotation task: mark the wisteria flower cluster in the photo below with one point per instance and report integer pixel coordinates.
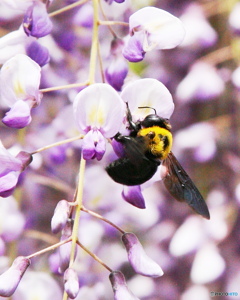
(71, 72)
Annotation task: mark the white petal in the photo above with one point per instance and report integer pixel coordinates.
(100, 107)
(202, 82)
(163, 30)
(20, 79)
(208, 265)
(11, 44)
(188, 237)
(199, 32)
(148, 92)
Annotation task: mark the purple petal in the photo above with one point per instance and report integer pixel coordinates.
(10, 279)
(25, 158)
(18, 116)
(84, 16)
(116, 73)
(141, 263)
(133, 195)
(38, 53)
(133, 50)
(36, 20)
(93, 145)
(8, 183)
(120, 289)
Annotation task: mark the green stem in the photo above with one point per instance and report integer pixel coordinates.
(94, 48)
(66, 86)
(94, 256)
(66, 8)
(50, 248)
(58, 144)
(78, 209)
(109, 23)
(101, 218)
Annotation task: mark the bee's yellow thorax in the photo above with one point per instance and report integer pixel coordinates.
(158, 139)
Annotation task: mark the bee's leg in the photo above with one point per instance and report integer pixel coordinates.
(132, 126)
(121, 138)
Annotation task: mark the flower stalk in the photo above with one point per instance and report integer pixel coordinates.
(94, 47)
(66, 8)
(58, 144)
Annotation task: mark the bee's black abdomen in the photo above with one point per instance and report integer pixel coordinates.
(125, 172)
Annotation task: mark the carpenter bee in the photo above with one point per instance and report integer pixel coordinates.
(146, 147)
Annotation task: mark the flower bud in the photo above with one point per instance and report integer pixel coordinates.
(25, 158)
(38, 53)
(36, 20)
(141, 263)
(117, 69)
(60, 216)
(65, 250)
(71, 283)
(10, 169)
(133, 195)
(10, 279)
(120, 288)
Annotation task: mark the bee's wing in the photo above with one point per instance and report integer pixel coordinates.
(135, 168)
(181, 187)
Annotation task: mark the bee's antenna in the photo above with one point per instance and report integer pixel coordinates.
(148, 107)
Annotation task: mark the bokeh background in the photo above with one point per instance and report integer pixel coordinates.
(197, 256)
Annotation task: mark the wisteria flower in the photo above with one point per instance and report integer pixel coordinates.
(202, 82)
(71, 283)
(120, 288)
(60, 216)
(20, 5)
(234, 19)
(236, 77)
(38, 53)
(148, 92)
(199, 32)
(117, 69)
(65, 249)
(12, 220)
(10, 279)
(133, 195)
(10, 169)
(20, 80)
(139, 260)
(200, 138)
(38, 285)
(208, 264)
(152, 28)
(36, 20)
(99, 112)
(12, 44)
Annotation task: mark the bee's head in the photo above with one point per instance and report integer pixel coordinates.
(154, 120)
